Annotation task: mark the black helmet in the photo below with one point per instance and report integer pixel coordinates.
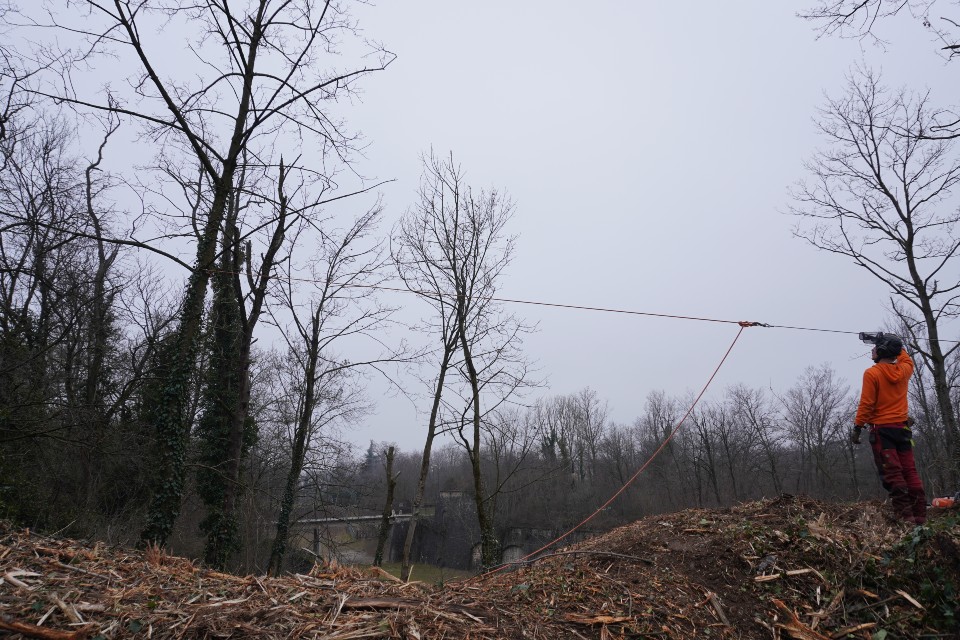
(888, 346)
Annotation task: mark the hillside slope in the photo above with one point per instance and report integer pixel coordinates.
(783, 568)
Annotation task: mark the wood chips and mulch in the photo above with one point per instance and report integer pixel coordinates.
(789, 567)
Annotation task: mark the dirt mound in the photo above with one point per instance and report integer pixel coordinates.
(784, 568)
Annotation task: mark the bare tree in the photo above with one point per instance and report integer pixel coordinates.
(674, 466)
(723, 450)
(413, 248)
(935, 460)
(387, 507)
(816, 410)
(880, 195)
(257, 80)
(510, 441)
(591, 420)
(620, 458)
(753, 412)
(456, 246)
(342, 275)
(556, 422)
(859, 18)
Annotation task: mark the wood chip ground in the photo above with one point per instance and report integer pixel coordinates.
(783, 568)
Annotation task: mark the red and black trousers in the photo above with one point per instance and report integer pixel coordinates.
(892, 446)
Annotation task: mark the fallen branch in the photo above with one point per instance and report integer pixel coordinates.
(381, 572)
(591, 620)
(11, 577)
(382, 603)
(79, 570)
(909, 598)
(67, 610)
(840, 633)
(715, 601)
(794, 627)
(9, 624)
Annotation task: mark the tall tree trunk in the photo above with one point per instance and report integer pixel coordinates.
(941, 388)
(240, 432)
(405, 564)
(240, 437)
(279, 548)
(225, 380)
(299, 453)
(98, 337)
(173, 431)
(387, 510)
(489, 545)
(172, 428)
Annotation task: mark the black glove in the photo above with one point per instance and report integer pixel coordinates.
(855, 434)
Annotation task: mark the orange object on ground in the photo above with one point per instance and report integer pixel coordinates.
(943, 503)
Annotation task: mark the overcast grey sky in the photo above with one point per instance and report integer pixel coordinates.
(649, 147)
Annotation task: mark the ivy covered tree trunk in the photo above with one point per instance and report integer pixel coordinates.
(225, 385)
(227, 431)
(172, 429)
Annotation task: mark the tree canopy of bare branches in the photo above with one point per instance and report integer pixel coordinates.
(859, 18)
(884, 196)
(451, 249)
(259, 79)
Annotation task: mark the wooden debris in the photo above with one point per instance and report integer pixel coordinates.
(67, 610)
(382, 603)
(794, 627)
(767, 578)
(592, 620)
(672, 576)
(715, 602)
(909, 598)
(33, 631)
(13, 578)
(857, 627)
(381, 573)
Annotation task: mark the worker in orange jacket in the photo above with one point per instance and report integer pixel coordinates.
(883, 407)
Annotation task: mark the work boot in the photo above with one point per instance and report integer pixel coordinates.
(918, 505)
(902, 504)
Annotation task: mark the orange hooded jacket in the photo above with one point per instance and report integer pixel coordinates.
(884, 396)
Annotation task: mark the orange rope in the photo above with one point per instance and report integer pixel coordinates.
(639, 471)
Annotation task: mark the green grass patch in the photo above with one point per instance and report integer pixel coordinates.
(428, 572)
